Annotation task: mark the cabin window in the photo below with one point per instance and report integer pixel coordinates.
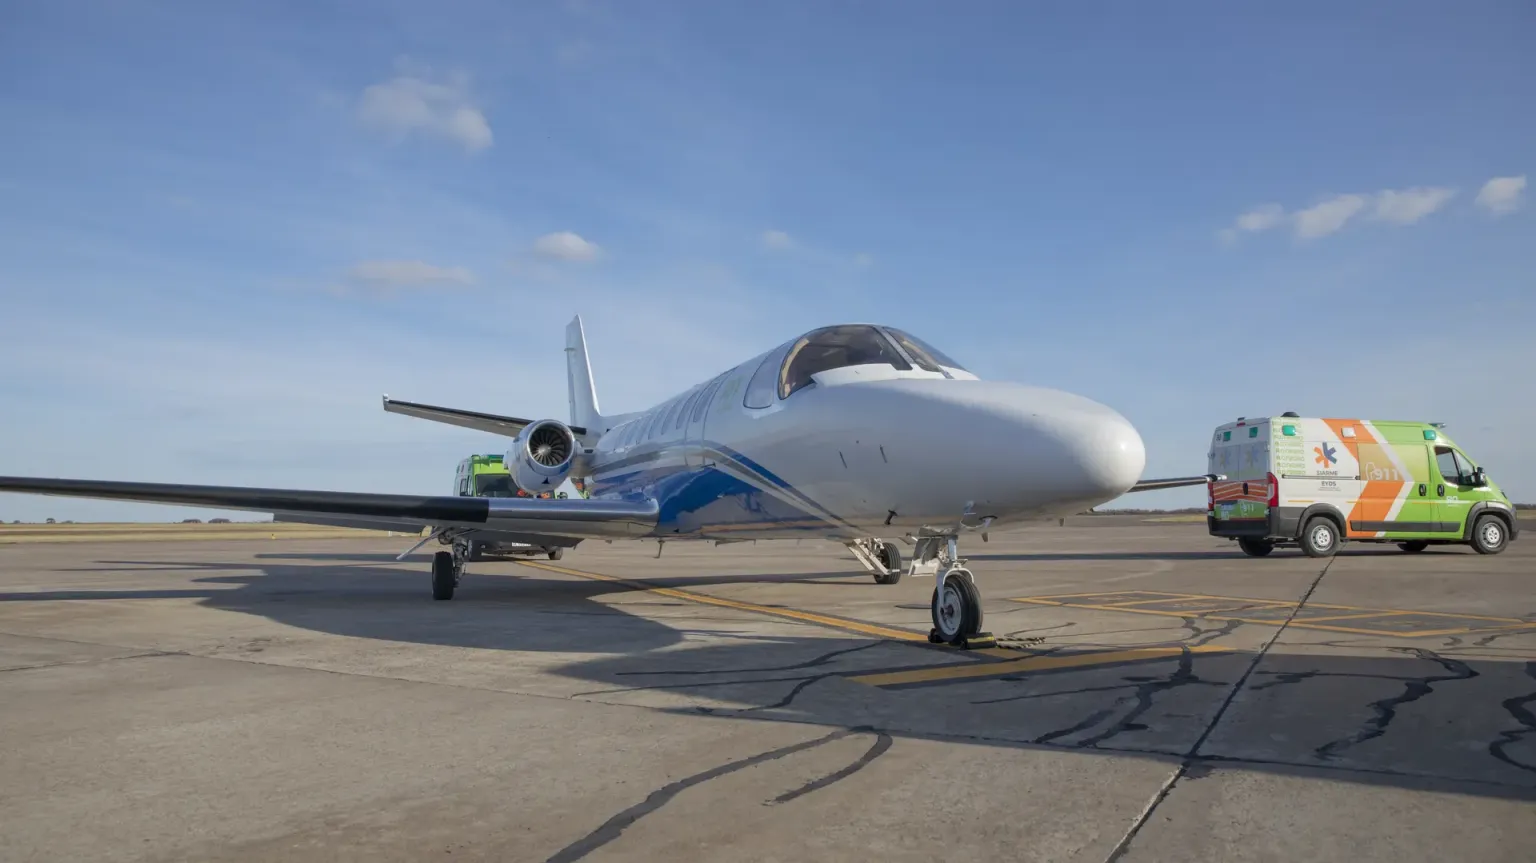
(705, 397)
(651, 423)
(672, 413)
(760, 388)
(925, 355)
(682, 415)
(835, 348)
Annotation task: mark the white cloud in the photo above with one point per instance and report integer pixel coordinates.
(565, 246)
(777, 240)
(1410, 205)
(1261, 218)
(1397, 206)
(1331, 215)
(403, 274)
(414, 103)
(1501, 195)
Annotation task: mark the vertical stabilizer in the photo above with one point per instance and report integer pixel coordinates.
(578, 376)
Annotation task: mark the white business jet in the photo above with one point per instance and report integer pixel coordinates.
(857, 433)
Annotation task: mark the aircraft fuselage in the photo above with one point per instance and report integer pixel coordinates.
(862, 450)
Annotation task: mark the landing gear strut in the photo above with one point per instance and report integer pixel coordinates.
(956, 603)
(881, 557)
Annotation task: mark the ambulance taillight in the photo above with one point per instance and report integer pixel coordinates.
(1274, 490)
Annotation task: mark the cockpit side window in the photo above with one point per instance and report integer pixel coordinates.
(925, 355)
(836, 348)
(760, 389)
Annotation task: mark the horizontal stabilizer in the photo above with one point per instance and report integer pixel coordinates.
(1176, 482)
(577, 518)
(493, 423)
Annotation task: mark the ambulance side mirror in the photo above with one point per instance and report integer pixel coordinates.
(1479, 479)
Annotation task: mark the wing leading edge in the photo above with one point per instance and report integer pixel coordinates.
(1175, 482)
(493, 423)
(574, 518)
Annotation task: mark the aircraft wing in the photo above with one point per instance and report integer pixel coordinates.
(493, 423)
(1176, 482)
(574, 518)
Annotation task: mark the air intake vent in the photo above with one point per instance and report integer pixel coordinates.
(548, 446)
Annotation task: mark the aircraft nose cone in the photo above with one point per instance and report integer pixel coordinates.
(1107, 452)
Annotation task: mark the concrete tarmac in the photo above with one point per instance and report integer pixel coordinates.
(1159, 696)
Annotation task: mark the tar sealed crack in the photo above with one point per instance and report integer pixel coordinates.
(1141, 699)
(615, 826)
(1520, 708)
(1385, 710)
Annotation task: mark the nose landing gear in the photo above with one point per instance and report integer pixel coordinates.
(956, 603)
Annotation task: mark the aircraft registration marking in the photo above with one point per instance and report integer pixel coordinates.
(1404, 623)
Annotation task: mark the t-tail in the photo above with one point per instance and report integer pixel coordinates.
(578, 373)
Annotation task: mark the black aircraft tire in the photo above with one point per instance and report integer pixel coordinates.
(962, 608)
(443, 578)
(890, 558)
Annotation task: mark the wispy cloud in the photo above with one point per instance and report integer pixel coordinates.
(1332, 214)
(1410, 205)
(412, 102)
(774, 239)
(778, 241)
(1322, 219)
(566, 246)
(1502, 195)
(394, 275)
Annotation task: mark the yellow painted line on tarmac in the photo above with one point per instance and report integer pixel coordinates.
(1033, 663)
(844, 624)
(1134, 602)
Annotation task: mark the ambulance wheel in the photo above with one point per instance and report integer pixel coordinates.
(889, 557)
(1413, 546)
(1489, 535)
(445, 576)
(1255, 547)
(556, 553)
(1320, 538)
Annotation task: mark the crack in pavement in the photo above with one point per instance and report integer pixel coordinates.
(823, 659)
(615, 826)
(1386, 708)
(1193, 755)
(1146, 689)
(1518, 707)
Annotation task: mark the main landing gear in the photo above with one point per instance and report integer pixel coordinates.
(956, 603)
(881, 557)
(447, 569)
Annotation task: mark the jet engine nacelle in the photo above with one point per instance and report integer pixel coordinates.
(541, 456)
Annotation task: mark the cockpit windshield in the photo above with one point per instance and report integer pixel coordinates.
(835, 348)
(925, 355)
(494, 485)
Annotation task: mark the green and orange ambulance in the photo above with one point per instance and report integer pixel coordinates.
(1317, 483)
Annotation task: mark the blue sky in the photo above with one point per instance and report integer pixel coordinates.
(226, 229)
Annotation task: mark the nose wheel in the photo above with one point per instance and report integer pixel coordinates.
(956, 603)
(956, 610)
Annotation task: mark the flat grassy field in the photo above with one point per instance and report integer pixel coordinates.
(140, 531)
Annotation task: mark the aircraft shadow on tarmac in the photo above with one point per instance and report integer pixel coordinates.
(1445, 713)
